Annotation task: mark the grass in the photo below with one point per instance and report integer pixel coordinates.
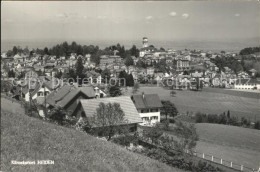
(209, 101)
(240, 145)
(26, 138)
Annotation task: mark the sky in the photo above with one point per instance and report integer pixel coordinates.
(130, 20)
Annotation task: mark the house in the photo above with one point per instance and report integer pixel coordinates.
(148, 107)
(252, 72)
(146, 50)
(99, 92)
(247, 84)
(37, 88)
(89, 106)
(243, 74)
(183, 64)
(17, 58)
(150, 71)
(68, 97)
(93, 77)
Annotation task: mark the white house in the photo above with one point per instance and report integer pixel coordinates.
(247, 84)
(99, 93)
(148, 107)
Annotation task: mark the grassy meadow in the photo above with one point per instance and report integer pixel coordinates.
(210, 101)
(236, 144)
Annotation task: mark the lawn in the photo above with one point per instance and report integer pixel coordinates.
(236, 144)
(26, 138)
(209, 101)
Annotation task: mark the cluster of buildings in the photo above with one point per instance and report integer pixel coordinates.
(185, 69)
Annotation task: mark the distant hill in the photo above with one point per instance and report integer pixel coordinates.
(25, 138)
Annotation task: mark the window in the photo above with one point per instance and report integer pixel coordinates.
(39, 94)
(46, 93)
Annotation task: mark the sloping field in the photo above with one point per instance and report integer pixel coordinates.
(210, 102)
(29, 139)
(236, 144)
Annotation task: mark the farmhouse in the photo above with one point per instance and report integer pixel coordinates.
(89, 108)
(68, 97)
(148, 107)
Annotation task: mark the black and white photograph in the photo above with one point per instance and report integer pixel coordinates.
(130, 86)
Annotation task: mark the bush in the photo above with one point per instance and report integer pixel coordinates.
(205, 167)
(166, 124)
(257, 125)
(126, 140)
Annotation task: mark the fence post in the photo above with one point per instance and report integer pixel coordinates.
(241, 167)
(212, 158)
(203, 156)
(220, 161)
(231, 164)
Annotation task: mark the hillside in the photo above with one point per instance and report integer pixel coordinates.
(25, 138)
(237, 144)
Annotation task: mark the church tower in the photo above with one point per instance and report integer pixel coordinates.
(145, 42)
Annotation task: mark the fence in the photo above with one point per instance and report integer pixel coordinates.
(209, 158)
(222, 162)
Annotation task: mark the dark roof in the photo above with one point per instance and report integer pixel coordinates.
(63, 96)
(58, 95)
(131, 114)
(145, 101)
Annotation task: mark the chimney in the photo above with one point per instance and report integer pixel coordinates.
(143, 95)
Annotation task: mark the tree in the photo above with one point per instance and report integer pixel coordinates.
(115, 91)
(129, 61)
(187, 137)
(59, 74)
(58, 115)
(123, 76)
(140, 64)
(228, 114)
(9, 53)
(169, 109)
(79, 67)
(162, 49)
(11, 74)
(15, 50)
(110, 118)
(153, 133)
(105, 74)
(130, 80)
(26, 50)
(135, 88)
(257, 125)
(46, 51)
(134, 51)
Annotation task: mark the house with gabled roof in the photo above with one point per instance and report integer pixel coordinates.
(68, 97)
(88, 108)
(148, 107)
(39, 88)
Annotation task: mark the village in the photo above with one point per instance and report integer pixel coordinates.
(73, 89)
(145, 86)
(45, 79)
